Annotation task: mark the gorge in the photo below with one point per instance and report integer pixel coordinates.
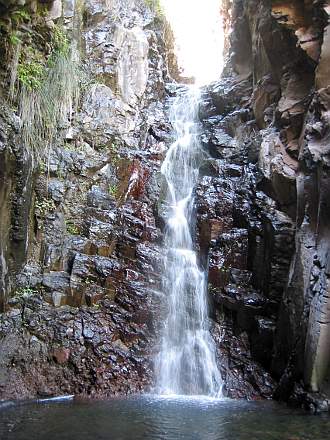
(155, 239)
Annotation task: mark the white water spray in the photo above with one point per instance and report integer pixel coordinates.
(186, 364)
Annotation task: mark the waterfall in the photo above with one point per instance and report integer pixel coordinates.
(186, 363)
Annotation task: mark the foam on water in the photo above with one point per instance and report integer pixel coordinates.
(186, 364)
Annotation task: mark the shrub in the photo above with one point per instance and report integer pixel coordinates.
(30, 74)
(20, 15)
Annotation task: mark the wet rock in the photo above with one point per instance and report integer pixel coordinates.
(268, 147)
(104, 116)
(227, 96)
(94, 257)
(56, 281)
(262, 340)
(261, 204)
(243, 377)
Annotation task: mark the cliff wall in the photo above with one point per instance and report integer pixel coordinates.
(263, 199)
(83, 132)
(82, 138)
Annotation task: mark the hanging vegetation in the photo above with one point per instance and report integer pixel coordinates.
(49, 92)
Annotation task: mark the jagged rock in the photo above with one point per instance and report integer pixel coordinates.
(89, 293)
(82, 314)
(282, 304)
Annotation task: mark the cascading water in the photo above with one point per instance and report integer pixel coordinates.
(186, 363)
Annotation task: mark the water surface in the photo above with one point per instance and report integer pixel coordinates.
(154, 418)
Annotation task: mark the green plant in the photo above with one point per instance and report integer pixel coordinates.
(47, 99)
(69, 146)
(20, 15)
(42, 167)
(44, 206)
(88, 281)
(113, 190)
(14, 38)
(49, 92)
(43, 11)
(31, 74)
(24, 292)
(114, 147)
(60, 41)
(71, 228)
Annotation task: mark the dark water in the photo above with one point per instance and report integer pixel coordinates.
(156, 418)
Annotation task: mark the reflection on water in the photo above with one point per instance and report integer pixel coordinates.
(160, 418)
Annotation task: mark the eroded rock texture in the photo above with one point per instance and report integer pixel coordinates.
(263, 201)
(80, 234)
(80, 247)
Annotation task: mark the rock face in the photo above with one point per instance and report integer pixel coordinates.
(80, 268)
(262, 201)
(80, 232)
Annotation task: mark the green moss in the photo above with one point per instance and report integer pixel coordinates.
(114, 147)
(14, 38)
(60, 41)
(71, 228)
(113, 190)
(42, 11)
(10, 26)
(20, 15)
(32, 67)
(88, 281)
(44, 206)
(42, 167)
(24, 292)
(70, 146)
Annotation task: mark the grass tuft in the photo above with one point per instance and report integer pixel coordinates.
(49, 93)
(47, 100)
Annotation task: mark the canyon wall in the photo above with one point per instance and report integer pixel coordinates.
(263, 200)
(82, 139)
(84, 92)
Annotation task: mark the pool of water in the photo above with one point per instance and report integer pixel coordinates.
(150, 418)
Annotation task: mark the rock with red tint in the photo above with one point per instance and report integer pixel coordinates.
(61, 355)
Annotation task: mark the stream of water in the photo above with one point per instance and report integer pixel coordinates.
(186, 364)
